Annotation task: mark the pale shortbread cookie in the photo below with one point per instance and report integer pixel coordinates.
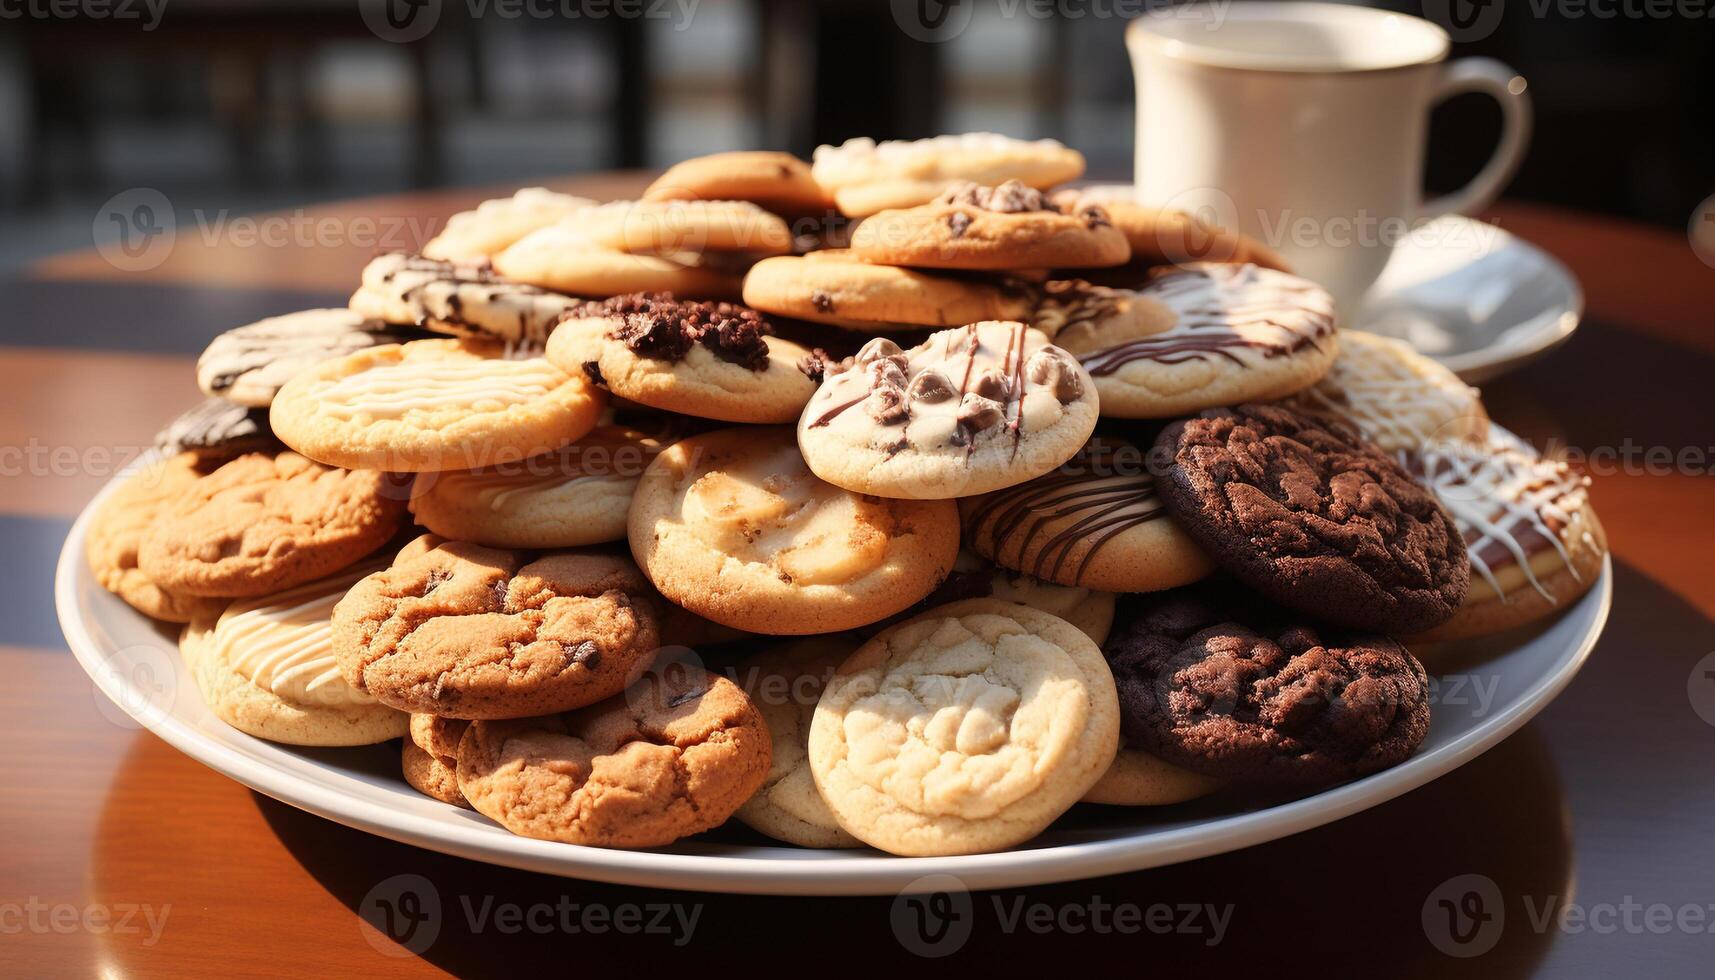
(471, 236)
(1241, 333)
(975, 577)
(734, 527)
(1139, 779)
(967, 411)
(466, 299)
(1094, 522)
(564, 259)
(266, 667)
(709, 360)
(434, 405)
(575, 496)
(833, 287)
(1531, 533)
(674, 755)
(248, 364)
(866, 177)
(779, 182)
(1396, 397)
(431, 775)
(965, 730)
(116, 532)
(696, 226)
(784, 683)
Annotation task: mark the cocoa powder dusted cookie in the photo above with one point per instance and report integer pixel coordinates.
(1239, 333)
(577, 495)
(779, 182)
(1095, 522)
(262, 523)
(666, 226)
(461, 298)
(967, 729)
(1216, 682)
(266, 667)
(471, 236)
(118, 526)
(463, 631)
(1304, 511)
(785, 682)
(674, 755)
(967, 411)
(1394, 396)
(832, 286)
(564, 259)
(1009, 226)
(710, 360)
(434, 405)
(734, 527)
(1163, 236)
(247, 365)
(1533, 539)
(866, 177)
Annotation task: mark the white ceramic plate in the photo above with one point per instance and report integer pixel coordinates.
(135, 663)
(1474, 297)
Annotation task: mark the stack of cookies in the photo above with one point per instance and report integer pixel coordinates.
(992, 498)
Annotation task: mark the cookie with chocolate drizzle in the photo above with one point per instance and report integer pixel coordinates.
(968, 411)
(707, 359)
(459, 298)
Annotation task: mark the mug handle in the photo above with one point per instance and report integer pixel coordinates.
(1493, 78)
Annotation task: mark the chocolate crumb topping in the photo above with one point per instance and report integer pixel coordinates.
(815, 364)
(1011, 197)
(592, 370)
(822, 302)
(658, 326)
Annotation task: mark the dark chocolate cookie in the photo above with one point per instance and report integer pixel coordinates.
(1264, 698)
(1307, 513)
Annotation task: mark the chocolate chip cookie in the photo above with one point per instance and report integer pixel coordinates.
(459, 298)
(1214, 681)
(1307, 513)
(464, 631)
(1009, 226)
(674, 756)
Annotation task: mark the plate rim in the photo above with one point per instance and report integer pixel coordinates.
(851, 875)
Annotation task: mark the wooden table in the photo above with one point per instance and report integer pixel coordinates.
(1603, 804)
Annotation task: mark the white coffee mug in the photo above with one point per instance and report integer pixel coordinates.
(1304, 124)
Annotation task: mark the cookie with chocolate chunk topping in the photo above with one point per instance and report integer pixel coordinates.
(1009, 226)
(707, 359)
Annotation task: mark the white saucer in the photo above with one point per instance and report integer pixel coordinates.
(1474, 297)
(135, 664)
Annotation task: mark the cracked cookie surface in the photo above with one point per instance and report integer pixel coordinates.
(117, 529)
(262, 523)
(674, 755)
(967, 729)
(1304, 511)
(733, 526)
(1223, 685)
(470, 632)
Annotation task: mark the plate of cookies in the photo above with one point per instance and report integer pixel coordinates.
(822, 527)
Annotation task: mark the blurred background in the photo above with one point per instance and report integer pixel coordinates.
(251, 105)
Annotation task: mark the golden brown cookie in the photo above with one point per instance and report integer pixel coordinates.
(577, 495)
(438, 736)
(779, 182)
(263, 523)
(704, 359)
(434, 405)
(1139, 779)
(975, 577)
(1163, 236)
(471, 236)
(117, 528)
(674, 755)
(833, 287)
(734, 527)
(866, 177)
(1010, 226)
(562, 258)
(431, 776)
(470, 632)
(657, 227)
(785, 682)
(965, 730)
